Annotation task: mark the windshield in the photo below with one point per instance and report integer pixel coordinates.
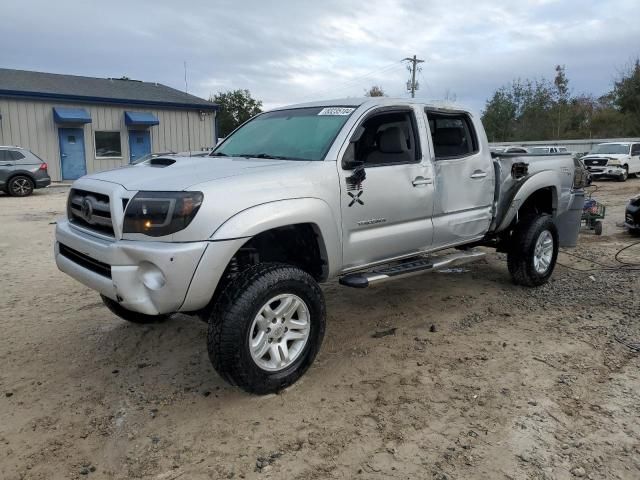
(297, 134)
(619, 148)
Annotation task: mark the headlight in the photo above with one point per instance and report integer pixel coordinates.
(614, 162)
(161, 213)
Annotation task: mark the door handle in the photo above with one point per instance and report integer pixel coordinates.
(478, 174)
(64, 154)
(421, 181)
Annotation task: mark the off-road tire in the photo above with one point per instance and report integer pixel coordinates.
(232, 316)
(130, 316)
(522, 247)
(20, 186)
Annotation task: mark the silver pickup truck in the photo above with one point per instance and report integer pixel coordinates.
(362, 190)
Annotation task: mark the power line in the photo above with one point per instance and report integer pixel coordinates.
(421, 78)
(413, 86)
(355, 80)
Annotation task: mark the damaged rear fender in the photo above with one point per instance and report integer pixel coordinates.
(538, 181)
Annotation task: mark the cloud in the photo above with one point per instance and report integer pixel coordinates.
(294, 50)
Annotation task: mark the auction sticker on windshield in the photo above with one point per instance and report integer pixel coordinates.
(336, 111)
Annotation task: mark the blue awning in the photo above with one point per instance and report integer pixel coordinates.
(145, 119)
(71, 115)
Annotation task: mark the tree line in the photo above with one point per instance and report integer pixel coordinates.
(522, 110)
(543, 110)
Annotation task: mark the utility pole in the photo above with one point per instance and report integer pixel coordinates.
(413, 86)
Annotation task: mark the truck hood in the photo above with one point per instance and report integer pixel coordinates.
(173, 173)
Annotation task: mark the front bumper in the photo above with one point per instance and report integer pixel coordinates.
(146, 277)
(606, 172)
(632, 217)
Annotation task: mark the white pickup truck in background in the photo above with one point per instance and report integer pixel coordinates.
(613, 160)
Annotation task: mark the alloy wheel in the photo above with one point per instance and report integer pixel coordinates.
(279, 332)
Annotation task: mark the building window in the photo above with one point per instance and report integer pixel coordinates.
(108, 144)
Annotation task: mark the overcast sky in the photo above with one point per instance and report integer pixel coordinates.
(296, 50)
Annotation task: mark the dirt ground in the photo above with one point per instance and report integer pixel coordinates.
(476, 378)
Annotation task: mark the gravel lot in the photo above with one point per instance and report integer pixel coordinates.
(476, 378)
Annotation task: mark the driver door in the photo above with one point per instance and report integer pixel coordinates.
(388, 214)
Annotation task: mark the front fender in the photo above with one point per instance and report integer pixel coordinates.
(258, 219)
(537, 181)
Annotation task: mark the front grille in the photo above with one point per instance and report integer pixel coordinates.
(595, 162)
(90, 210)
(85, 261)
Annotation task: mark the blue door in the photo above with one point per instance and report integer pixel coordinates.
(139, 144)
(72, 158)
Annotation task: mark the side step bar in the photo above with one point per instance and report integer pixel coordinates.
(409, 268)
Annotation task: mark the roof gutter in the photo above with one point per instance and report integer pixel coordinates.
(113, 101)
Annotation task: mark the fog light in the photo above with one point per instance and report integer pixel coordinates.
(151, 276)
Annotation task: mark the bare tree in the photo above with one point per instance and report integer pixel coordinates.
(375, 91)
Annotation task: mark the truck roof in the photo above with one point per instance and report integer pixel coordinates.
(373, 101)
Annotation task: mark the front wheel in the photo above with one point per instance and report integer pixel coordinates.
(266, 327)
(623, 177)
(533, 251)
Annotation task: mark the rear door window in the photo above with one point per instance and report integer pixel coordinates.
(13, 155)
(453, 135)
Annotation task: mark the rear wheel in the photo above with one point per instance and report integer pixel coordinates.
(129, 315)
(20, 186)
(266, 327)
(533, 251)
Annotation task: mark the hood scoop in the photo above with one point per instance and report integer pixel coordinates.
(161, 162)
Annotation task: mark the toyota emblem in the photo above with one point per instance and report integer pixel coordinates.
(87, 209)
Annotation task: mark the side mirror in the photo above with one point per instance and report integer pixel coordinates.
(349, 162)
(357, 176)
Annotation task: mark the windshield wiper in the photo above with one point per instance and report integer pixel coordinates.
(218, 154)
(266, 155)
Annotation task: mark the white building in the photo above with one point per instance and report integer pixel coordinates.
(81, 125)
